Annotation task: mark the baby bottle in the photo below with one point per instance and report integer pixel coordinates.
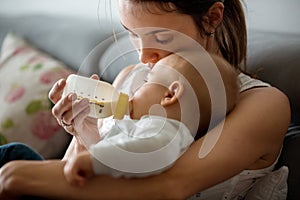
(104, 99)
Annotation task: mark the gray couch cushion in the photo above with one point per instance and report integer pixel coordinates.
(290, 156)
(69, 40)
(274, 58)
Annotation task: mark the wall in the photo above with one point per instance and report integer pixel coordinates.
(277, 15)
(80, 8)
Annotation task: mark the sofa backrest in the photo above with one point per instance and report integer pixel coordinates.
(274, 58)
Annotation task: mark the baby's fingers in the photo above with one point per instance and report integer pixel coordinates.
(71, 174)
(80, 179)
(95, 76)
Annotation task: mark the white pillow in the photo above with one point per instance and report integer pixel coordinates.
(26, 76)
(271, 187)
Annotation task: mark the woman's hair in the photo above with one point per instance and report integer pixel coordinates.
(231, 34)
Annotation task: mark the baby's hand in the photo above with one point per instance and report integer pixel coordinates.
(78, 169)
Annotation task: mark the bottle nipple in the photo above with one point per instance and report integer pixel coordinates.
(122, 106)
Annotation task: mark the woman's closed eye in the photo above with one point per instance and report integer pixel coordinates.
(164, 38)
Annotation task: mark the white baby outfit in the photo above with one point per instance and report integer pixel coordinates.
(137, 148)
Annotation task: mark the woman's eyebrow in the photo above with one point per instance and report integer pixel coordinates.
(157, 31)
(149, 33)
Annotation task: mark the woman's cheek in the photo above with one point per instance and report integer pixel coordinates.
(136, 44)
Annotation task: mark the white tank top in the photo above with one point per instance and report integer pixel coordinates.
(246, 82)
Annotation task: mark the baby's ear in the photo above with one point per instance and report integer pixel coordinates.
(173, 94)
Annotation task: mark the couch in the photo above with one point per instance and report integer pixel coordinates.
(85, 45)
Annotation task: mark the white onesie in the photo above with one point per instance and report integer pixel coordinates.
(137, 148)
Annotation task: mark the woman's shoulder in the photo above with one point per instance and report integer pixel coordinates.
(266, 113)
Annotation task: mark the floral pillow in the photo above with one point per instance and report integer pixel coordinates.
(26, 76)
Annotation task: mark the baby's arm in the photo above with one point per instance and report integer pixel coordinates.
(78, 169)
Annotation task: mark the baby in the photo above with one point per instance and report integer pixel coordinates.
(165, 116)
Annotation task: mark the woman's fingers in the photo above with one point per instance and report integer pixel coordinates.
(79, 111)
(73, 172)
(81, 116)
(68, 111)
(56, 91)
(64, 105)
(55, 94)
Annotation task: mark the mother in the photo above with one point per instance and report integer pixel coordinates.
(251, 138)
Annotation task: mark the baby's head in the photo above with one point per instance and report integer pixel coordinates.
(181, 93)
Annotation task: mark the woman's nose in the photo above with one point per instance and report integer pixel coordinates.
(149, 55)
(152, 55)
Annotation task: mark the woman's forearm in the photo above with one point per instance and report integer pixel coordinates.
(48, 181)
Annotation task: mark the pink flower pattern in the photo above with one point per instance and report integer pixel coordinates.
(14, 94)
(38, 59)
(50, 77)
(21, 50)
(44, 126)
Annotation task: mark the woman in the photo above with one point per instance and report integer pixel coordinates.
(251, 137)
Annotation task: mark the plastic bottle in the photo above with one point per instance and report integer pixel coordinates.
(104, 99)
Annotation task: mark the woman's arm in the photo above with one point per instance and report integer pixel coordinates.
(251, 139)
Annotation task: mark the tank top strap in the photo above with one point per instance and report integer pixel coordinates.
(247, 82)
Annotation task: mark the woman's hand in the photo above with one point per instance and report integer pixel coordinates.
(72, 114)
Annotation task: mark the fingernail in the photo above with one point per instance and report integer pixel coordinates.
(84, 102)
(72, 96)
(60, 83)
